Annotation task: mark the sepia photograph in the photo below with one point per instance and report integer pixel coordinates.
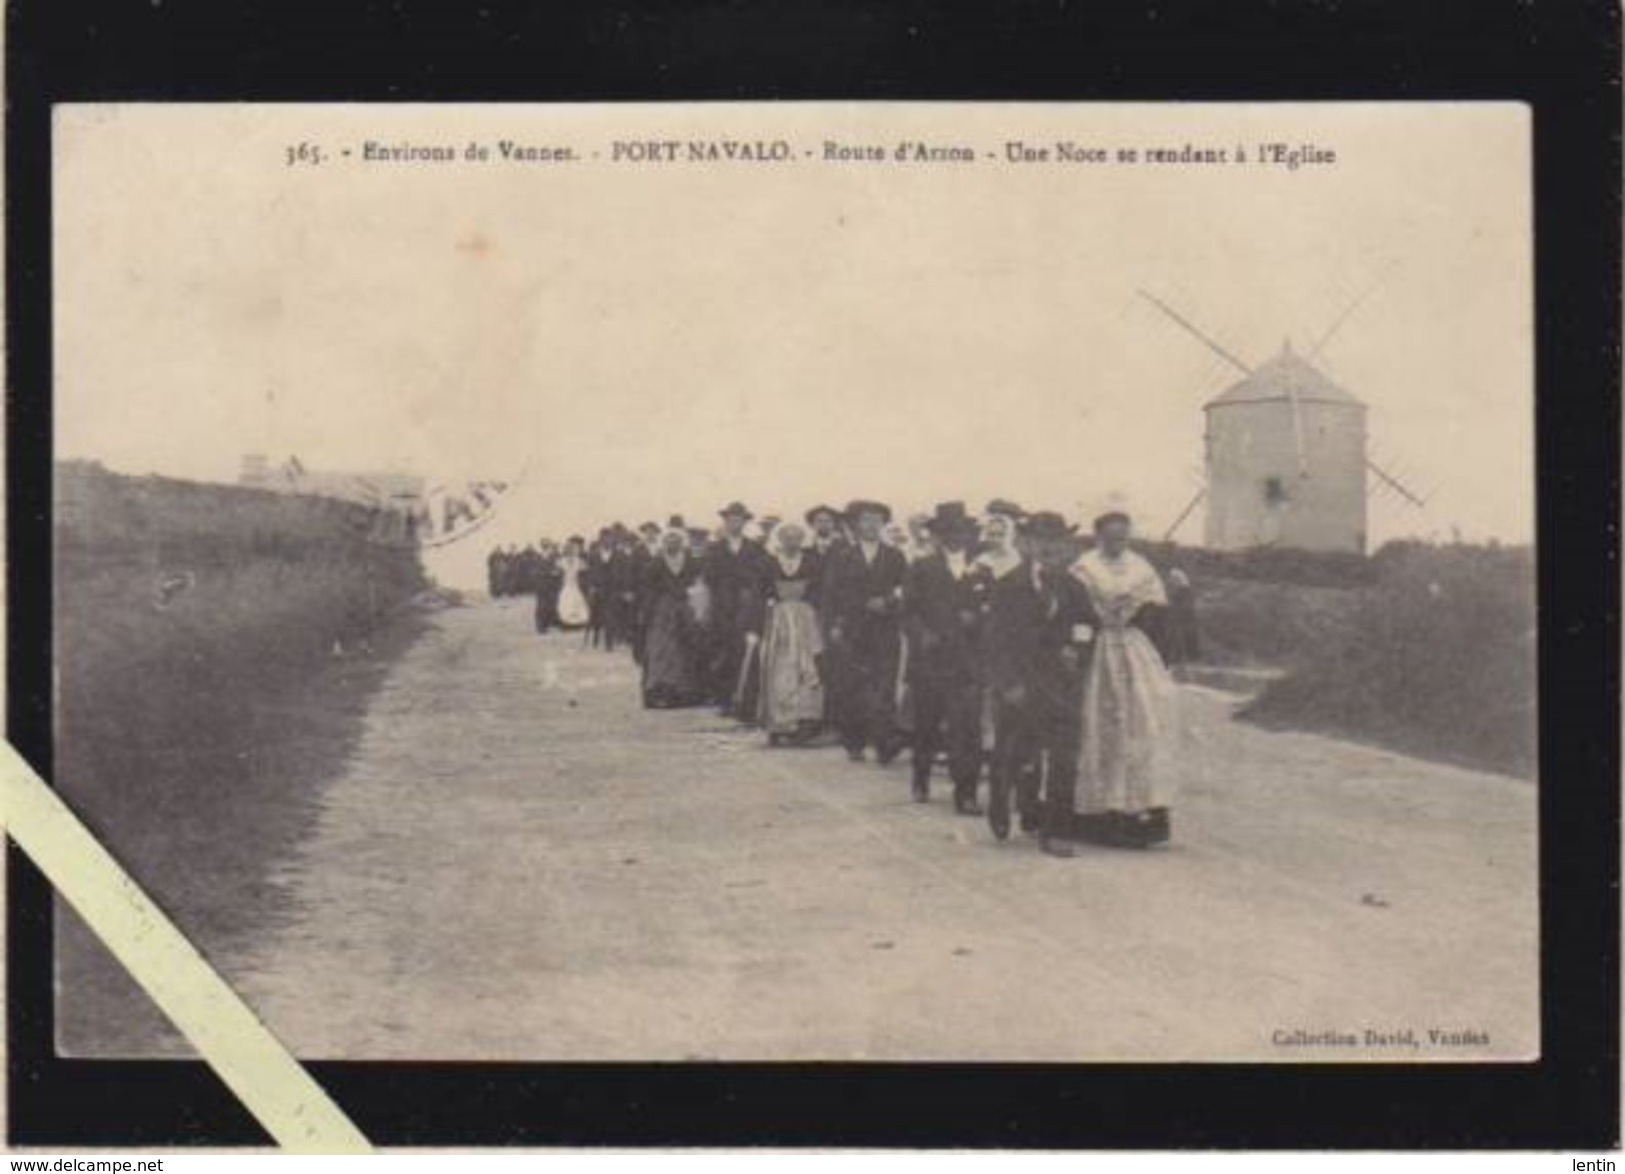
(805, 581)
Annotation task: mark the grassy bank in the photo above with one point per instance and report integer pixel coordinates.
(1251, 623)
(1437, 657)
(216, 648)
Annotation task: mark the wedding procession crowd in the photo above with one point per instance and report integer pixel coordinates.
(1009, 646)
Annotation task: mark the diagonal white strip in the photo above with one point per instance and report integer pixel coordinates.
(260, 1071)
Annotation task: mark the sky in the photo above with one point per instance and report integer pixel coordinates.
(625, 341)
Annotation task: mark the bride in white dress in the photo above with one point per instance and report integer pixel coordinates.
(573, 611)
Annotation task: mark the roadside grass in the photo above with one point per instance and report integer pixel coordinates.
(1247, 623)
(1436, 659)
(216, 649)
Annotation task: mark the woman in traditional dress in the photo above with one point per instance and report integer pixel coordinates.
(1130, 720)
(896, 534)
(573, 609)
(792, 693)
(672, 635)
(921, 542)
(998, 551)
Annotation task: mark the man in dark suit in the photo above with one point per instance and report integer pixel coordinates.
(735, 573)
(863, 588)
(1040, 628)
(644, 550)
(620, 588)
(595, 585)
(942, 610)
(540, 574)
(825, 522)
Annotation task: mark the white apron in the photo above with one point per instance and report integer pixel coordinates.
(1130, 702)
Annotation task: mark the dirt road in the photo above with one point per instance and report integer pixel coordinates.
(523, 864)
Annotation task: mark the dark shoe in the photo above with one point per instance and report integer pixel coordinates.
(886, 753)
(1054, 847)
(854, 753)
(967, 806)
(921, 789)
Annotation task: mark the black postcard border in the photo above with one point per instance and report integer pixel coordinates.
(1562, 58)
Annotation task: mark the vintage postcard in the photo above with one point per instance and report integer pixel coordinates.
(805, 581)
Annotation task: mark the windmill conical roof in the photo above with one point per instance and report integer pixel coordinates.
(1286, 375)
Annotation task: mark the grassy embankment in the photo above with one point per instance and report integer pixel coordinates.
(1428, 649)
(215, 651)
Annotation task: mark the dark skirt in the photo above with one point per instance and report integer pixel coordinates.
(547, 609)
(671, 657)
(1120, 829)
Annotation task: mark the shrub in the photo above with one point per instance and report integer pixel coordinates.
(1267, 564)
(1244, 622)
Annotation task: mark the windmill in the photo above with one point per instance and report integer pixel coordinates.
(1286, 458)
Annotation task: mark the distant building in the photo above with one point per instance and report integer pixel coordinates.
(1286, 461)
(256, 471)
(291, 476)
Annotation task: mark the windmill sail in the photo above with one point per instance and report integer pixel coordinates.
(1348, 312)
(1395, 484)
(1197, 334)
(1183, 514)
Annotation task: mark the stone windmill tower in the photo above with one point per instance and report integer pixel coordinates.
(1286, 459)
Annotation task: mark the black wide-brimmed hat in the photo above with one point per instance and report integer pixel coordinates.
(811, 516)
(1046, 525)
(735, 509)
(649, 528)
(863, 506)
(1112, 516)
(950, 518)
(1003, 505)
(675, 522)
